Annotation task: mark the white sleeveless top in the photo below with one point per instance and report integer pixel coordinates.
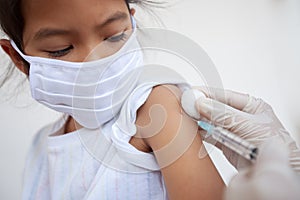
(95, 164)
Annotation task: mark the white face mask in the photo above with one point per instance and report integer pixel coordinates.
(91, 92)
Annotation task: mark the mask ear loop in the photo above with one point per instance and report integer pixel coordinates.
(13, 44)
(23, 56)
(133, 22)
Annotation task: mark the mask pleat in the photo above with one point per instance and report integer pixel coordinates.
(92, 92)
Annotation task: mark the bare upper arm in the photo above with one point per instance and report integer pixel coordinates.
(172, 136)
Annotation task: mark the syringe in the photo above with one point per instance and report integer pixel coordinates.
(223, 136)
(230, 140)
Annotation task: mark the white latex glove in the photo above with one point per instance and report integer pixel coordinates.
(250, 118)
(271, 178)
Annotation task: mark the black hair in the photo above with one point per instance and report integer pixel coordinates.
(12, 23)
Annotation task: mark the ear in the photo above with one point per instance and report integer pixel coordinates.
(132, 11)
(14, 56)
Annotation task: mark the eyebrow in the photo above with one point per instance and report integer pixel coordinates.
(50, 32)
(114, 17)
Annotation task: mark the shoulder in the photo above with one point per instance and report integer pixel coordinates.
(167, 96)
(39, 141)
(161, 118)
(162, 104)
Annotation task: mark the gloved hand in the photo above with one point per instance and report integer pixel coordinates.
(250, 118)
(271, 178)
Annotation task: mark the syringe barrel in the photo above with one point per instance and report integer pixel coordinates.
(234, 142)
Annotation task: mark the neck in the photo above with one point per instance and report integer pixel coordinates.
(71, 125)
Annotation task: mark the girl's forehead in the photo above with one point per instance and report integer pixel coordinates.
(68, 14)
(69, 10)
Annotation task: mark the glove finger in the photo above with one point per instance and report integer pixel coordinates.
(228, 97)
(256, 106)
(239, 101)
(220, 114)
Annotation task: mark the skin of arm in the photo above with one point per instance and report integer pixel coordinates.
(172, 136)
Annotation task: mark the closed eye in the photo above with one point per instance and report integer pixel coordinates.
(117, 38)
(60, 53)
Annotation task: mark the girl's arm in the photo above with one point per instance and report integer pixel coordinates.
(172, 135)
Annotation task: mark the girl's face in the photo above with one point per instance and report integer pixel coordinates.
(71, 29)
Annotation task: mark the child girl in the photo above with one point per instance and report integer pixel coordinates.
(50, 41)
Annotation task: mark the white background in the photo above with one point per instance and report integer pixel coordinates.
(254, 44)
